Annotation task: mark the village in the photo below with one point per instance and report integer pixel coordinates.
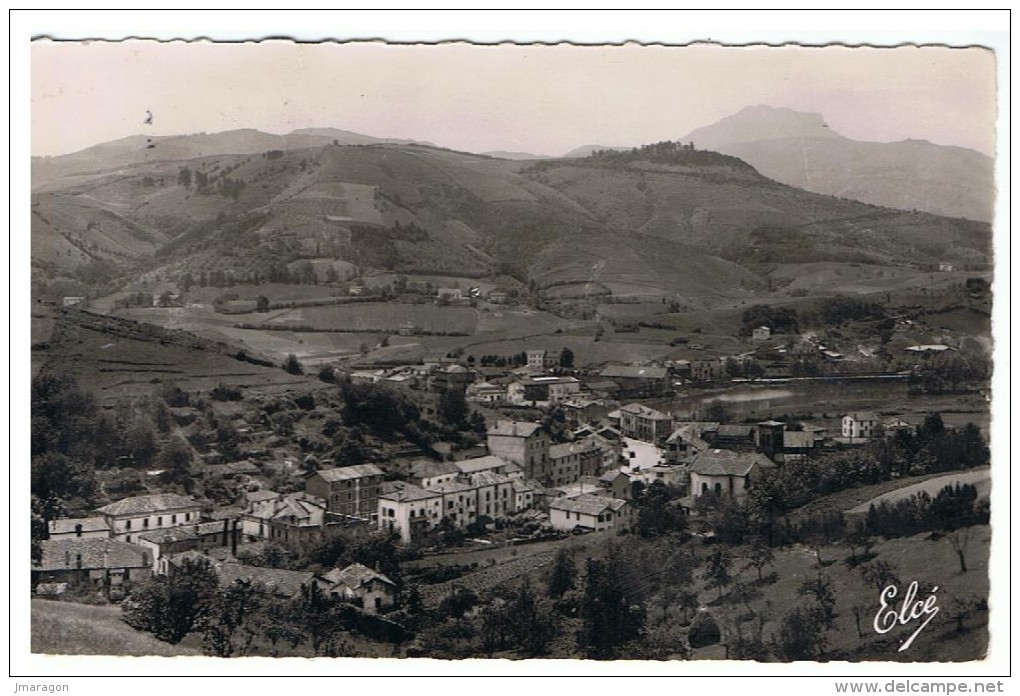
(559, 452)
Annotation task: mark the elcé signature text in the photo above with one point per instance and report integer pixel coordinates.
(911, 609)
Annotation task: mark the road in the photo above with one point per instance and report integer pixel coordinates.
(980, 478)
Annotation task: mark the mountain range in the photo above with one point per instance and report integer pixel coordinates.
(663, 219)
(801, 150)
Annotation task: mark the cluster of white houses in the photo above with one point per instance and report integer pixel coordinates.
(585, 483)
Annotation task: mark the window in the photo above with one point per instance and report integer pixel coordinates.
(159, 521)
(145, 522)
(127, 525)
(187, 517)
(128, 538)
(173, 519)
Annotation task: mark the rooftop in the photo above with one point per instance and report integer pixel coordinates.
(424, 468)
(285, 583)
(401, 492)
(720, 462)
(172, 534)
(487, 463)
(345, 473)
(862, 415)
(514, 428)
(354, 576)
(587, 504)
(62, 554)
(69, 525)
(644, 412)
(149, 504)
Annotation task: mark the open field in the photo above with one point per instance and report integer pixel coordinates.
(65, 628)
(930, 563)
(115, 358)
(374, 316)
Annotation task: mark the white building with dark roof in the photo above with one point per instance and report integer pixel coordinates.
(360, 584)
(725, 472)
(644, 423)
(861, 425)
(129, 517)
(593, 512)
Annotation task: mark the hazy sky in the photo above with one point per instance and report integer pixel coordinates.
(538, 99)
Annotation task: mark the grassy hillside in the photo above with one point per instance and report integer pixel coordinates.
(65, 628)
(661, 220)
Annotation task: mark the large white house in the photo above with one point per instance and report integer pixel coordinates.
(129, 517)
(595, 512)
(725, 472)
(861, 425)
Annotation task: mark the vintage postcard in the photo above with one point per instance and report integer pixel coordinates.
(664, 355)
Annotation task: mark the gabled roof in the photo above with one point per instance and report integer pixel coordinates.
(862, 416)
(644, 412)
(62, 554)
(489, 478)
(172, 534)
(611, 476)
(487, 463)
(345, 473)
(452, 487)
(259, 496)
(720, 462)
(354, 576)
(88, 524)
(735, 430)
(587, 504)
(403, 492)
(424, 468)
(294, 506)
(284, 583)
(521, 486)
(629, 372)
(514, 428)
(148, 504)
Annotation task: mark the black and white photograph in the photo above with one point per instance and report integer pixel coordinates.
(396, 351)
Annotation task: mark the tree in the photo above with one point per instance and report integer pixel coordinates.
(184, 177)
(566, 357)
(759, 555)
(229, 611)
(801, 636)
(959, 540)
(453, 408)
(293, 365)
(319, 616)
(171, 608)
(531, 625)
(609, 613)
(717, 570)
(176, 459)
(262, 304)
(859, 538)
(562, 576)
(820, 588)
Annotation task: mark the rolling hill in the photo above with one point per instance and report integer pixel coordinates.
(661, 220)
